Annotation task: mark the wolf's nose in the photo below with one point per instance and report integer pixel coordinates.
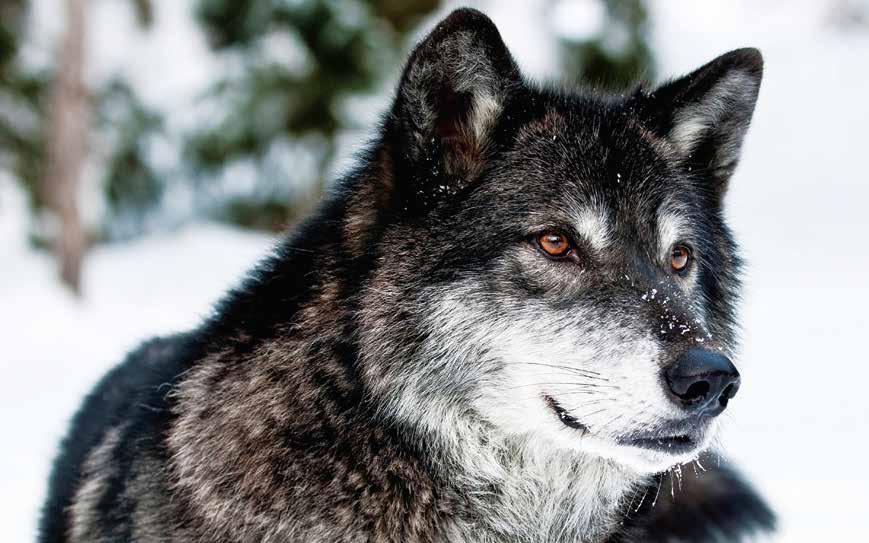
(703, 381)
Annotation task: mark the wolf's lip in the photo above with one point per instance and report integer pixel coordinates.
(676, 441)
(674, 444)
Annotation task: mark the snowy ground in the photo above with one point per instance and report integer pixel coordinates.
(799, 425)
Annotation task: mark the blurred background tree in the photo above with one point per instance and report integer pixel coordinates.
(23, 112)
(259, 146)
(295, 66)
(611, 48)
(46, 125)
(133, 184)
(66, 145)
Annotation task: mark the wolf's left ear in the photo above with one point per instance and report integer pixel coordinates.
(449, 100)
(706, 114)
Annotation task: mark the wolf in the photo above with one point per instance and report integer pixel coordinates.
(513, 321)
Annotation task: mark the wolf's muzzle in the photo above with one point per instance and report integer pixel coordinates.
(702, 381)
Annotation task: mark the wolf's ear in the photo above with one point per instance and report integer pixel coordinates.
(706, 114)
(449, 100)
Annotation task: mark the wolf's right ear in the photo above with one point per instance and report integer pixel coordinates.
(705, 114)
(449, 100)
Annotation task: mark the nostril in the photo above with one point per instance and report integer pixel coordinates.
(696, 392)
(702, 381)
(727, 394)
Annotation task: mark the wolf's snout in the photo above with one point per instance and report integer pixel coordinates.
(703, 381)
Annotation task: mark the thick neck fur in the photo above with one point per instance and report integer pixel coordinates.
(518, 489)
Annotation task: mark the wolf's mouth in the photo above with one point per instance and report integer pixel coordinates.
(675, 437)
(566, 418)
(674, 444)
(676, 441)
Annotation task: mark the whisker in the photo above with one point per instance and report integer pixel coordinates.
(579, 391)
(660, 480)
(568, 368)
(642, 500)
(577, 409)
(595, 393)
(586, 415)
(590, 402)
(672, 485)
(592, 381)
(574, 384)
(612, 420)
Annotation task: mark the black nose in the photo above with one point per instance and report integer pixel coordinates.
(703, 381)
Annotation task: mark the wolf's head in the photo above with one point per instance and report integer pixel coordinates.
(550, 264)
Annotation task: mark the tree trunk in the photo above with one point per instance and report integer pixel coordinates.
(67, 146)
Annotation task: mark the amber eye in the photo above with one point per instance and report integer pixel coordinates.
(554, 244)
(679, 258)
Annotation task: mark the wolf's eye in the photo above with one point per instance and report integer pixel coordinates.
(680, 256)
(554, 244)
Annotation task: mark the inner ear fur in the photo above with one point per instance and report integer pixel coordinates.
(450, 97)
(705, 114)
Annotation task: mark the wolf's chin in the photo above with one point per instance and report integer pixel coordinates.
(649, 455)
(639, 460)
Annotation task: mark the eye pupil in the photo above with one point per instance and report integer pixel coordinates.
(554, 244)
(679, 257)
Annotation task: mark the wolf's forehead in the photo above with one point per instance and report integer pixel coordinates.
(596, 224)
(673, 222)
(592, 222)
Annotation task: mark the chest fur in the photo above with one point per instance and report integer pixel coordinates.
(543, 497)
